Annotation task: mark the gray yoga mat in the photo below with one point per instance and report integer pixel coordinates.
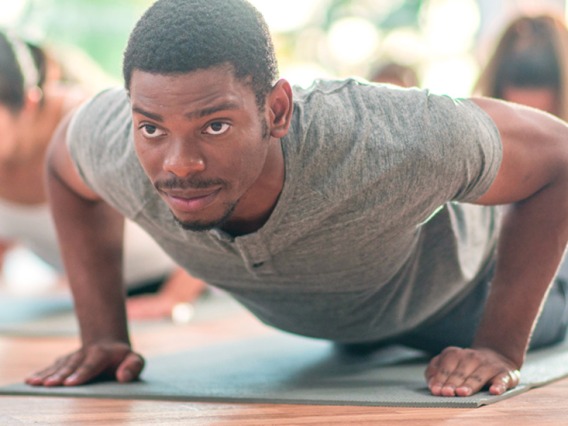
(290, 369)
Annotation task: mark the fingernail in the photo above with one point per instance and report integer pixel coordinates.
(436, 388)
(499, 389)
(464, 391)
(127, 376)
(70, 379)
(31, 381)
(449, 391)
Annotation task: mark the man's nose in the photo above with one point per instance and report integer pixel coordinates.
(184, 158)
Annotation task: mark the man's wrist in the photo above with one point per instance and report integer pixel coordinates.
(513, 354)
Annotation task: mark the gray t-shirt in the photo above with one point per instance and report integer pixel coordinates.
(367, 239)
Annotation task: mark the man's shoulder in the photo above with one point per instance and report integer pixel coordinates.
(344, 130)
(353, 87)
(99, 141)
(350, 110)
(352, 136)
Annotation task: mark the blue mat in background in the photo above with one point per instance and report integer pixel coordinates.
(20, 309)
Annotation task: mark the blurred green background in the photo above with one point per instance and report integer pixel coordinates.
(98, 27)
(446, 41)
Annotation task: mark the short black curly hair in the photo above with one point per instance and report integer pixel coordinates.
(180, 36)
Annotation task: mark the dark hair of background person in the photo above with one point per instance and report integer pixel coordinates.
(13, 72)
(180, 36)
(532, 52)
(395, 73)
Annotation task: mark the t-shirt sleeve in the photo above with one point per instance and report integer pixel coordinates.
(99, 139)
(463, 147)
(75, 140)
(406, 147)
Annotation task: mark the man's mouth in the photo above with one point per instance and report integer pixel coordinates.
(190, 200)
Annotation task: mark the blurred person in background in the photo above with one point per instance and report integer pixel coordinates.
(529, 65)
(35, 94)
(395, 73)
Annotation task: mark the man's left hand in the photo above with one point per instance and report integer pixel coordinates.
(463, 372)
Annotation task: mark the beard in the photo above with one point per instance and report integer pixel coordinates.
(198, 225)
(202, 226)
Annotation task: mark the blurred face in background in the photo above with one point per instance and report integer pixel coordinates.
(543, 98)
(10, 124)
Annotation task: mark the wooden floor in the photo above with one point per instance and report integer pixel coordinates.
(18, 356)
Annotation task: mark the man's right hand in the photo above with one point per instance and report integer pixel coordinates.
(114, 359)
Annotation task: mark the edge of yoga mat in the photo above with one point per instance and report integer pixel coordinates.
(436, 402)
(315, 390)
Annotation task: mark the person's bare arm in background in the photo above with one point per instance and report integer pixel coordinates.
(180, 287)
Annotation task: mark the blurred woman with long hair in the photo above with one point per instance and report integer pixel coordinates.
(34, 98)
(530, 65)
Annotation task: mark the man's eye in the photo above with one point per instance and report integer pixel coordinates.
(150, 131)
(217, 128)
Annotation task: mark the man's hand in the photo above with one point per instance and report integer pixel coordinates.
(463, 372)
(115, 359)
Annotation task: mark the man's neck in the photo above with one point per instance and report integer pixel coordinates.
(259, 202)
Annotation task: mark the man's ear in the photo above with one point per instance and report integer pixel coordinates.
(280, 108)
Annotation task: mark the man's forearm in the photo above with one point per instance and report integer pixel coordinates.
(532, 243)
(90, 235)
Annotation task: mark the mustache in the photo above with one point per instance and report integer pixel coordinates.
(191, 183)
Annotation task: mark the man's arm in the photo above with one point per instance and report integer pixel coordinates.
(533, 180)
(90, 234)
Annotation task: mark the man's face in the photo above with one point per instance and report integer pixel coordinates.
(202, 141)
